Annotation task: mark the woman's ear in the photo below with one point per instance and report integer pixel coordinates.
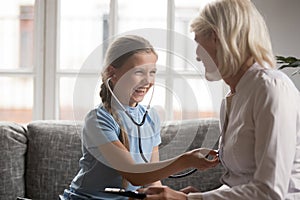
(214, 37)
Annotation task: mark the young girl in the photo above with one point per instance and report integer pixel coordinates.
(121, 137)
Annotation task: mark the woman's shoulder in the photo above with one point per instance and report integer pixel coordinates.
(271, 84)
(268, 78)
(274, 78)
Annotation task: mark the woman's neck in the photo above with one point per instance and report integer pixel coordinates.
(232, 81)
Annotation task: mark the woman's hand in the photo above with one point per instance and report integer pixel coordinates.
(188, 189)
(163, 193)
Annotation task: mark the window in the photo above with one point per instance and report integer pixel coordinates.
(49, 50)
(16, 63)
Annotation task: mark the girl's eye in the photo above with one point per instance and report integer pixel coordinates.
(153, 72)
(139, 72)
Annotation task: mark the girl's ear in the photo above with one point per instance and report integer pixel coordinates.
(111, 71)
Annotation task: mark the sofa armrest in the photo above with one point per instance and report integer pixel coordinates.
(12, 160)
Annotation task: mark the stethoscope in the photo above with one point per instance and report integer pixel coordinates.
(139, 130)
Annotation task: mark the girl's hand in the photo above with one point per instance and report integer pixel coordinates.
(203, 158)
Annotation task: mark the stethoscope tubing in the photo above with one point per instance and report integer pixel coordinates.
(139, 131)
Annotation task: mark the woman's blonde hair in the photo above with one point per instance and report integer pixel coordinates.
(119, 51)
(241, 32)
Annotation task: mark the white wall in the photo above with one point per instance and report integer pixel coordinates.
(283, 20)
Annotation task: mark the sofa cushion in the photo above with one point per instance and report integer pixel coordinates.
(54, 149)
(12, 160)
(181, 136)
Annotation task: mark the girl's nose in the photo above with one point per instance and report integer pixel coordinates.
(148, 79)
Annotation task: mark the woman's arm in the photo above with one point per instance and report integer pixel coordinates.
(142, 174)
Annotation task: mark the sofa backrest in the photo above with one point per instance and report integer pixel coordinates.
(181, 136)
(54, 149)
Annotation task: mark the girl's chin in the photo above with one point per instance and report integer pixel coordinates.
(137, 99)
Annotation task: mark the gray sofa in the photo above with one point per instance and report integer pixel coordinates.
(38, 161)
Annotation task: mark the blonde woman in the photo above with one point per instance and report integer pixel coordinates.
(260, 116)
(121, 137)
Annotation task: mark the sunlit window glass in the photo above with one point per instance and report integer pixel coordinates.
(16, 99)
(143, 14)
(16, 34)
(66, 97)
(139, 14)
(79, 87)
(16, 63)
(83, 26)
(185, 11)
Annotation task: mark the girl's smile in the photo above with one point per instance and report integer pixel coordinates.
(134, 79)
